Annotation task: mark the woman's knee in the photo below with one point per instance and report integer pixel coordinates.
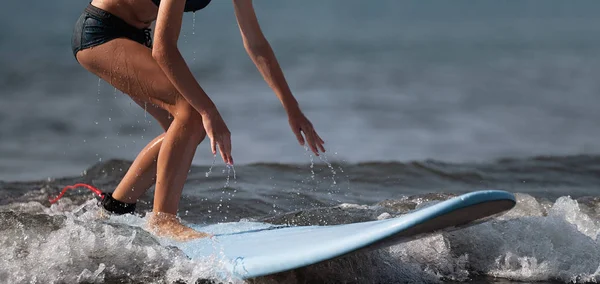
(191, 121)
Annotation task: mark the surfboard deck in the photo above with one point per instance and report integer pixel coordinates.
(247, 249)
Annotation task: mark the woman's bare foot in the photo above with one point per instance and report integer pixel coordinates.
(168, 225)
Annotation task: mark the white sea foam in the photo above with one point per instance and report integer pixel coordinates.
(83, 247)
(70, 243)
(524, 245)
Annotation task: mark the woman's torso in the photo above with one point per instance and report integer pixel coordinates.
(138, 13)
(141, 13)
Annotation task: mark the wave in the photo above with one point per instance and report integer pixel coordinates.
(536, 241)
(551, 235)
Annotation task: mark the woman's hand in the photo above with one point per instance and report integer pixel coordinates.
(300, 123)
(219, 135)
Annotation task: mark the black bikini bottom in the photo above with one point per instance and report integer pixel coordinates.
(96, 26)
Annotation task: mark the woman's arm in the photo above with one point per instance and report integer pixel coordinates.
(262, 55)
(167, 55)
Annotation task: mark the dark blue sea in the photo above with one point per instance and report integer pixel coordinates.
(418, 101)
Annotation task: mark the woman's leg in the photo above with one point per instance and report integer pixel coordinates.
(129, 66)
(142, 172)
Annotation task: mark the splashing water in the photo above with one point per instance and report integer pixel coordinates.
(50, 245)
(230, 168)
(194, 33)
(75, 243)
(333, 190)
(207, 174)
(312, 162)
(99, 88)
(548, 236)
(323, 158)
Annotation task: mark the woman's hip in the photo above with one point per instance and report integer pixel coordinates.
(96, 26)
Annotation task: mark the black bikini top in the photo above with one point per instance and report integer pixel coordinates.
(190, 5)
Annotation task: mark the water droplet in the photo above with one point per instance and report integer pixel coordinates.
(213, 164)
(193, 33)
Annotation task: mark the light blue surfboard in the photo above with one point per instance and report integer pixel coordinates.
(247, 250)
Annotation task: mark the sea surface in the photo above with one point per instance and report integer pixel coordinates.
(418, 101)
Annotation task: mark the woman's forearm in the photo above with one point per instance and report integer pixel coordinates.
(264, 58)
(176, 69)
(170, 60)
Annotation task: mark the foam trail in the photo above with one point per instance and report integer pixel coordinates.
(523, 246)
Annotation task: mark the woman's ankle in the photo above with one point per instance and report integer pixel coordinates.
(115, 206)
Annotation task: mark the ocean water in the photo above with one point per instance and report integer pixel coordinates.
(417, 101)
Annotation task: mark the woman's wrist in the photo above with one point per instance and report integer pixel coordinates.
(290, 105)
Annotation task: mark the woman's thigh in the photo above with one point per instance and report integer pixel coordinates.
(163, 117)
(130, 67)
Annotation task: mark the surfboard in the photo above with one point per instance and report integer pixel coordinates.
(251, 249)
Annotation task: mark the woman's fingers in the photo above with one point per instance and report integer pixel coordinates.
(320, 144)
(223, 154)
(322, 148)
(213, 146)
(225, 149)
(318, 141)
(224, 144)
(219, 135)
(321, 140)
(299, 136)
(311, 140)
